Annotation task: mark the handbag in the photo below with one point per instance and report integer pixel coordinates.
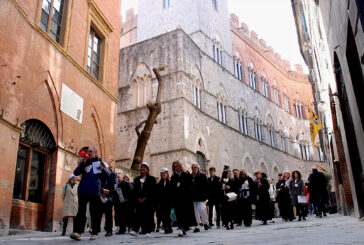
(302, 199)
(231, 196)
(121, 197)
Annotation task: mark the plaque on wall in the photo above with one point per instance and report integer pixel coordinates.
(71, 103)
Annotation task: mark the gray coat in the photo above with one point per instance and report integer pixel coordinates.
(297, 189)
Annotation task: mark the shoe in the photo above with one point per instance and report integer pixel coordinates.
(180, 233)
(218, 226)
(63, 233)
(184, 232)
(133, 233)
(76, 236)
(264, 222)
(120, 232)
(148, 235)
(325, 215)
(304, 218)
(109, 233)
(157, 230)
(300, 219)
(206, 227)
(168, 231)
(93, 237)
(196, 230)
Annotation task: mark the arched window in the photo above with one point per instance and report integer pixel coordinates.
(201, 160)
(238, 69)
(265, 87)
(217, 51)
(252, 75)
(141, 91)
(221, 109)
(258, 129)
(243, 122)
(277, 96)
(271, 136)
(196, 92)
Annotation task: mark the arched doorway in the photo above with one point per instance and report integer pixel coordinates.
(201, 160)
(31, 176)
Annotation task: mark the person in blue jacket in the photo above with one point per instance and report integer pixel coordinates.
(94, 173)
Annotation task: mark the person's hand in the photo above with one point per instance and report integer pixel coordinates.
(100, 167)
(106, 192)
(259, 184)
(227, 187)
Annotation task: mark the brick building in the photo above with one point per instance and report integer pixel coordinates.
(228, 98)
(331, 37)
(58, 93)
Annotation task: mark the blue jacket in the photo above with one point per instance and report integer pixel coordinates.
(91, 184)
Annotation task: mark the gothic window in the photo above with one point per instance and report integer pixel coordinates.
(277, 96)
(320, 154)
(265, 87)
(298, 110)
(286, 103)
(214, 4)
(272, 137)
(36, 142)
(201, 160)
(284, 146)
(221, 112)
(196, 92)
(167, 3)
(252, 82)
(238, 70)
(52, 17)
(243, 123)
(141, 92)
(93, 54)
(258, 130)
(217, 54)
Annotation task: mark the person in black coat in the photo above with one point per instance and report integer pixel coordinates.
(246, 197)
(199, 196)
(143, 193)
(262, 205)
(227, 211)
(164, 202)
(318, 192)
(123, 204)
(214, 194)
(283, 197)
(109, 186)
(181, 183)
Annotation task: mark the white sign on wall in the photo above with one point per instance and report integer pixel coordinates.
(71, 103)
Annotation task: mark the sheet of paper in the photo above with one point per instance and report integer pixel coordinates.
(95, 165)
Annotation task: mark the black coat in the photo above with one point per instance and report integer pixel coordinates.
(317, 186)
(164, 193)
(214, 191)
(181, 187)
(263, 202)
(127, 189)
(199, 187)
(148, 190)
(296, 190)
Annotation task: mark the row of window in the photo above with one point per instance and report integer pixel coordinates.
(52, 22)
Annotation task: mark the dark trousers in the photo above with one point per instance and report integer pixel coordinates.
(107, 210)
(184, 214)
(217, 210)
(164, 213)
(95, 211)
(124, 215)
(300, 211)
(144, 218)
(245, 207)
(227, 210)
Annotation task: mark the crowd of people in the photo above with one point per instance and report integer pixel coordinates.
(184, 199)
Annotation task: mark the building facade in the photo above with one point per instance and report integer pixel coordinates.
(227, 99)
(331, 39)
(58, 93)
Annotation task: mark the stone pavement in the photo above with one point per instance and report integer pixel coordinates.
(334, 229)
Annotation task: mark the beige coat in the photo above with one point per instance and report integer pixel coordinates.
(70, 200)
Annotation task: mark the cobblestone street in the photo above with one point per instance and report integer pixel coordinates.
(334, 229)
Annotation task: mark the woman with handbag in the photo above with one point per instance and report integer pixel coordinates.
(246, 197)
(297, 195)
(226, 185)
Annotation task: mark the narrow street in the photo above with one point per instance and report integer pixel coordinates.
(334, 229)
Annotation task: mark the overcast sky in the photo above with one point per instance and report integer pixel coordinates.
(272, 20)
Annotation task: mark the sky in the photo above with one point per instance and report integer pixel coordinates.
(272, 20)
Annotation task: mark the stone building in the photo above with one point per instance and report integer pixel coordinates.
(331, 38)
(58, 93)
(228, 98)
